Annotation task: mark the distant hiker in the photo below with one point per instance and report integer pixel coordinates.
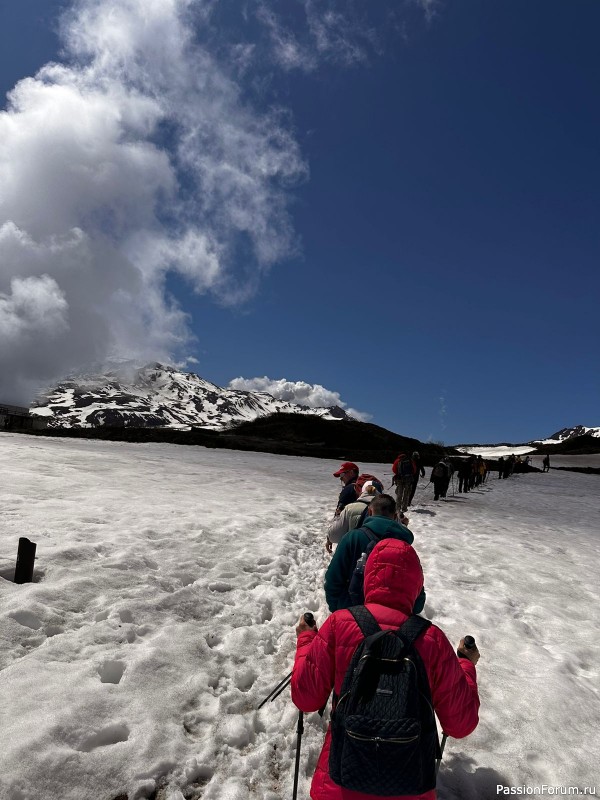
(354, 514)
(501, 467)
(393, 580)
(419, 473)
(474, 473)
(546, 464)
(481, 468)
(463, 472)
(440, 477)
(379, 524)
(347, 473)
(509, 464)
(404, 470)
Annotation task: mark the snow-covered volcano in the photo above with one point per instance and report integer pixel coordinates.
(158, 395)
(569, 433)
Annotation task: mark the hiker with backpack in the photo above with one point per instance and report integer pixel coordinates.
(389, 671)
(440, 477)
(419, 473)
(404, 470)
(465, 467)
(347, 473)
(343, 576)
(354, 514)
(501, 467)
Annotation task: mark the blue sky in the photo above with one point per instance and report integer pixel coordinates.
(408, 217)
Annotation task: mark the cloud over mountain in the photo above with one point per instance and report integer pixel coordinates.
(135, 157)
(148, 151)
(300, 392)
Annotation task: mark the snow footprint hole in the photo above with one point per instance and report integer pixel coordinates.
(111, 734)
(220, 586)
(244, 679)
(111, 671)
(213, 640)
(27, 619)
(267, 611)
(198, 774)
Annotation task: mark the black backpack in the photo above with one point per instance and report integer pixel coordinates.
(440, 470)
(383, 732)
(406, 468)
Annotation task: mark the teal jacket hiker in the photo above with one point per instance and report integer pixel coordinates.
(350, 549)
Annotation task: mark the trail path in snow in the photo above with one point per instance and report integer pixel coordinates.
(168, 584)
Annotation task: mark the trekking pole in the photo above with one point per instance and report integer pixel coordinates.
(423, 488)
(277, 690)
(310, 621)
(469, 645)
(439, 761)
(299, 732)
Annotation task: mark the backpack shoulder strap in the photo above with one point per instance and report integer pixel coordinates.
(363, 514)
(365, 620)
(412, 628)
(408, 632)
(371, 536)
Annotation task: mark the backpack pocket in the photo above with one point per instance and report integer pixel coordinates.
(381, 756)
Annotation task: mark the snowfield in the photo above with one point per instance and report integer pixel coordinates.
(168, 584)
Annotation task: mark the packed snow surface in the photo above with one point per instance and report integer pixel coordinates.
(168, 583)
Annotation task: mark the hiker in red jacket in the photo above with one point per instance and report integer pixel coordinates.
(393, 580)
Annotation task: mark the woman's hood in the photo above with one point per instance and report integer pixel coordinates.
(393, 575)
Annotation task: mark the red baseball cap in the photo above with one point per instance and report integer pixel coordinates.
(347, 466)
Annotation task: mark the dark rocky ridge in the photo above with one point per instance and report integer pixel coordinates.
(577, 445)
(283, 434)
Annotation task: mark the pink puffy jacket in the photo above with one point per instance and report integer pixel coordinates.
(393, 580)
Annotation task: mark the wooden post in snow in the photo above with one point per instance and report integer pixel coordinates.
(25, 561)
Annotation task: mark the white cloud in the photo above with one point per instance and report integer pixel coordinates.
(312, 395)
(136, 157)
(430, 8)
(141, 155)
(443, 409)
(34, 303)
(325, 31)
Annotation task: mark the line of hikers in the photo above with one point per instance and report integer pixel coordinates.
(390, 670)
(355, 494)
(513, 463)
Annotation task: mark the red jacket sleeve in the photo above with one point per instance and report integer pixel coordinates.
(314, 668)
(453, 683)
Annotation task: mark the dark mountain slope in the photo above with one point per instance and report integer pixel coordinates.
(286, 434)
